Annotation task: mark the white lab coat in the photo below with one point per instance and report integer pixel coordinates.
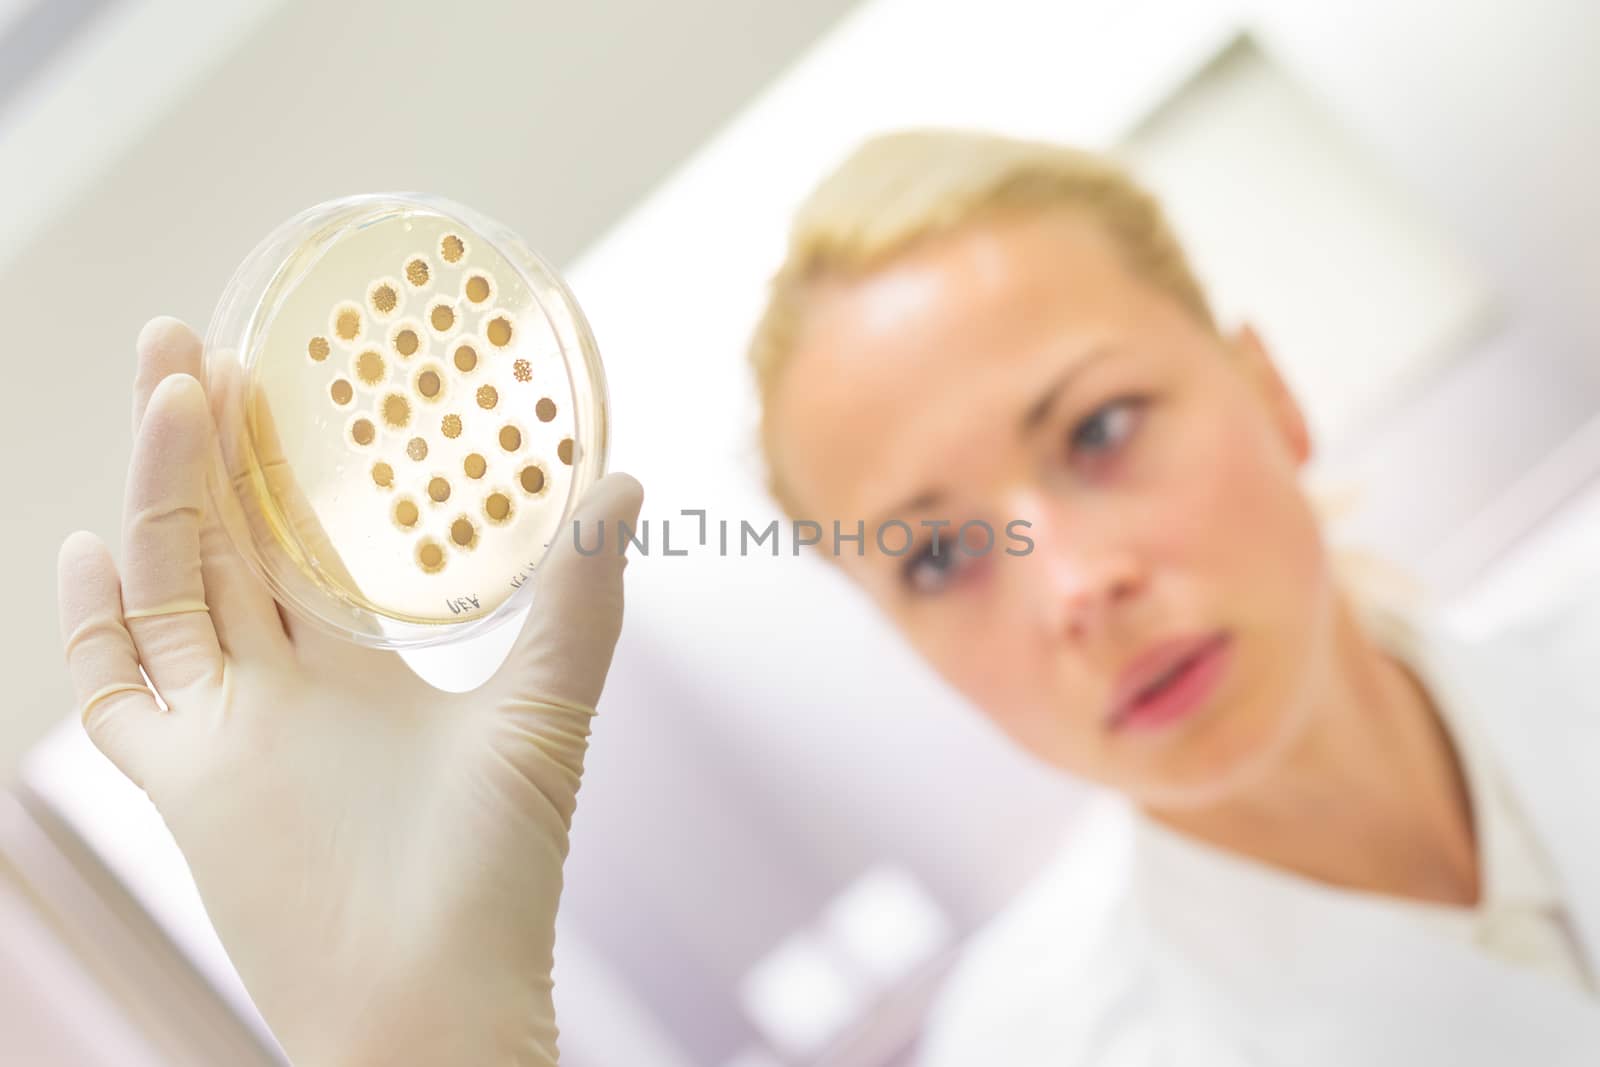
(1100, 963)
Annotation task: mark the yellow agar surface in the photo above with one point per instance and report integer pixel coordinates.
(348, 453)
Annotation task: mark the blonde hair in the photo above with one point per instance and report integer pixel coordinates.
(898, 189)
(901, 188)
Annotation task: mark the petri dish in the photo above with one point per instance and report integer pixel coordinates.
(409, 404)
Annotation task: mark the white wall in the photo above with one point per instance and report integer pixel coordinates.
(51, 1009)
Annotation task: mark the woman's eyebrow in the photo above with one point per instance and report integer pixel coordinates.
(1030, 421)
(1040, 411)
(925, 499)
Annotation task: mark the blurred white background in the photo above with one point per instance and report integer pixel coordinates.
(787, 824)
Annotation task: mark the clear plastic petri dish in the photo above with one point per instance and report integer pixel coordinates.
(409, 403)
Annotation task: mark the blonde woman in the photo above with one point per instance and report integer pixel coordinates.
(1337, 837)
(1331, 834)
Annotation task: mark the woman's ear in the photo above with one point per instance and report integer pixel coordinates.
(1287, 416)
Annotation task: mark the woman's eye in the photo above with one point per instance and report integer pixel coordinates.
(1106, 429)
(931, 568)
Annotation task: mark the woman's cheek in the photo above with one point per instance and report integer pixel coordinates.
(980, 655)
(1223, 503)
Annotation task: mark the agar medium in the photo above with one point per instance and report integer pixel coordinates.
(409, 404)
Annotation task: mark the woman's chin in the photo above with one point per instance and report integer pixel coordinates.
(1211, 766)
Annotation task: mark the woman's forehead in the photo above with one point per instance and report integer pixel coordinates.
(911, 366)
(978, 278)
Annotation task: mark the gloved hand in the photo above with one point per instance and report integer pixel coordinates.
(381, 860)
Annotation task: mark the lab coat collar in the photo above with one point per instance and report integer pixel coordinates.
(1534, 695)
(1297, 972)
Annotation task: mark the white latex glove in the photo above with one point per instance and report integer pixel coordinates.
(381, 860)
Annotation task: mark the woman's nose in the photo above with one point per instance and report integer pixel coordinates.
(1080, 576)
(1086, 589)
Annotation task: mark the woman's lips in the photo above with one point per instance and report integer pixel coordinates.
(1169, 682)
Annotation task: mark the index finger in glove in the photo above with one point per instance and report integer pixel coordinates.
(261, 469)
(242, 609)
(257, 460)
(163, 593)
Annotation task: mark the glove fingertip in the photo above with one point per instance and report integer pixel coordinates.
(594, 533)
(617, 496)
